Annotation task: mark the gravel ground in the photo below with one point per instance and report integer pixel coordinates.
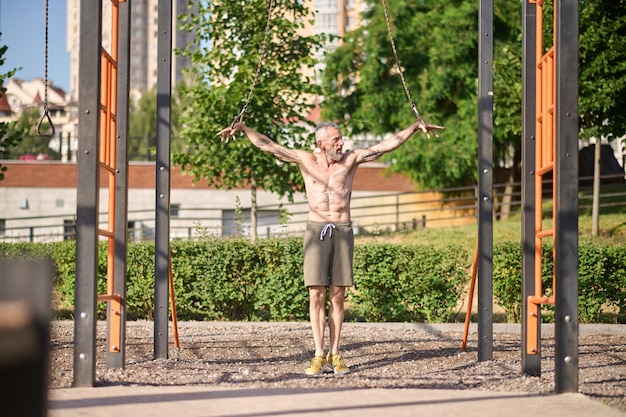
(273, 355)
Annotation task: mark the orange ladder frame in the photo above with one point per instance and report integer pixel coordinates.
(108, 165)
(545, 151)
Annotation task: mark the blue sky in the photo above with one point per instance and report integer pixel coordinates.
(22, 28)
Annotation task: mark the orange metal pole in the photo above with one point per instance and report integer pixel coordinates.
(173, 302)
(470, 300)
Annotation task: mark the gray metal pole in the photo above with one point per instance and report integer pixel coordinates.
(88, 186)
(117, 359)
(485, 180)
(531, 363)
(566, 199)
(162, 215)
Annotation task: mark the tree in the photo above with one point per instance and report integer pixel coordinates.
(8, 135)
(142, 127)
(602, 87)
(601, 78)
(437, 45)
(229, 37)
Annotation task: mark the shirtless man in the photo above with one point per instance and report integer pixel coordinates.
(329, 239)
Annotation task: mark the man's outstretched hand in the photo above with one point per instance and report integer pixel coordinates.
(230, 132)
(428, 128)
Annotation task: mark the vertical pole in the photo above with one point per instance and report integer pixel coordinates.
(88, 186)
(117, 359)
(61, 146)
(531, 364)
(566, 198)
(485, 180)
(162, 215)
(69, 148)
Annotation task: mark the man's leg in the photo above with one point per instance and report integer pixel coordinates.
(335, 320)
(317, 312)
(335, 316)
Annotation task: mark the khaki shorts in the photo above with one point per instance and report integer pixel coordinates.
(328, 254)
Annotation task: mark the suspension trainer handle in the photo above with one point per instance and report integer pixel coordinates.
(418, 115)
(46, 115)
(239, 117)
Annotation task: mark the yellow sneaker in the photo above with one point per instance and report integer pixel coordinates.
(317, 364)
(336, 361)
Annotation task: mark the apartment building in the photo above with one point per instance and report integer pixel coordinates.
(335, 18)
(143, 39)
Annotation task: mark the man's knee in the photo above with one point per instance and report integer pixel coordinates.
(336, 294)
(317, 295)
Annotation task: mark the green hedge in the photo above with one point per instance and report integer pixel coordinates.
(601, 280)
(408, 283)
(235, 279)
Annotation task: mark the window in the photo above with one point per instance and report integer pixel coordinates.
(3, 226)
(130, 231)
(69, 229)
(238, 223)
(174, 210)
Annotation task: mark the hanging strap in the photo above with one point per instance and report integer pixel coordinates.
(239, 117)
(45, 117)
(395, 53)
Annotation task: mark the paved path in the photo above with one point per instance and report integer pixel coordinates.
(204, 401)
(207, 401)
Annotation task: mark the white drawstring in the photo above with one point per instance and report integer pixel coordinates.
(328, 227)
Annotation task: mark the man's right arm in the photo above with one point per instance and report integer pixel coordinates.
(264, 143)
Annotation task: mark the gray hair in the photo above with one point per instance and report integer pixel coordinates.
(321, 128)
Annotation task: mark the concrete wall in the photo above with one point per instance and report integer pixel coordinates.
(36, 198)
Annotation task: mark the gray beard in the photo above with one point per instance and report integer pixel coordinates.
(334, 156)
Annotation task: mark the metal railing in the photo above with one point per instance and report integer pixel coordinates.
(370, 214)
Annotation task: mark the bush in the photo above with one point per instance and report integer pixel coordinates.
(407, 283)
(601, 279)
(235, 279)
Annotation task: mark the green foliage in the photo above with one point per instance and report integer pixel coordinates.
(602, 68)
(140, 280)
(437, 43)
(236, 279)
(407, 283)
(223, 75)
(30, 143)
(281, 294)
(437, 46)
(142, 124)
(601, 280)
(9, 135)
(507, 277)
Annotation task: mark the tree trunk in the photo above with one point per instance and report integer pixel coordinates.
(595, 211)
(253, 209)
(507, 197)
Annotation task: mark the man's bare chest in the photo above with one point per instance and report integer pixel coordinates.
(334, 177)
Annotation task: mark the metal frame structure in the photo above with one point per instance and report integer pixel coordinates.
(162, 232)
(485, 180)
(117, 359)
(103, 149)
(550, 146)
(102, 145)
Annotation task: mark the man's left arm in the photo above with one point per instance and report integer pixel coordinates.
(393, 142)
